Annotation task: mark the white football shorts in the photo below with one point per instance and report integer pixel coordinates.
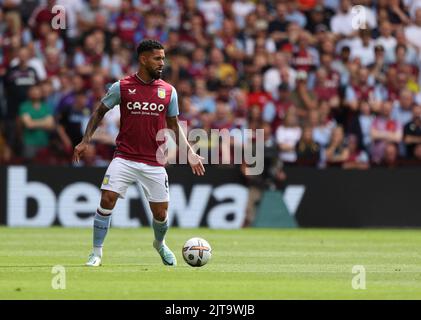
(121, 173)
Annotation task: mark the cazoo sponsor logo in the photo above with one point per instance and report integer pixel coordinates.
(145, 106)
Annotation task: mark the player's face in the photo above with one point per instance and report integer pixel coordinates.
(154, 63)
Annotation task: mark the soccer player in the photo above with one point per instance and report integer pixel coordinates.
(147, 104)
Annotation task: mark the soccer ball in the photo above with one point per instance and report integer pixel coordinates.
(197, 252)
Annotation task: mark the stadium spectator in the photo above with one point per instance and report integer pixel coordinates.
(74, 83)
(333, 77)
(91, 57)
(378, 68)
(361, 124)
(304, 56)
(188, 112)
(280, 72)
(402, 108)
(413, 32)
(287, 136)
(223, 118)
(37, 121)
(50, 96)
(322, 124)
(73, 9)
(18, 80)
(341, 22)
(337, 152)
(277, 28)
(91, 10)
(361, 88)
(412, 134)
(52, 63)
(213, 13)
(241, 9)
(72, 121)
(384, 130)
(257, 96)
(294, 15)
(327, 89)
(393, 11)
(5, 150)
(363, 47)
(41, 16)
(308, 150)
(387, 41)
(401, 63)
(274, 111)
(153, 27)
(390, 157)
(411, 55)
(202, 99)
(197, 66)
(223, 69)
(303, 98)
(340, 64)
(125, 22)
(357, 157)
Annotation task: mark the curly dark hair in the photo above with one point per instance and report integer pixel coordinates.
(148, 45)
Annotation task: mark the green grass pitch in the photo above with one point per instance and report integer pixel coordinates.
(246, 264)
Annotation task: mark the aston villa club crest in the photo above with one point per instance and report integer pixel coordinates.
(106, 180)
(161, 93)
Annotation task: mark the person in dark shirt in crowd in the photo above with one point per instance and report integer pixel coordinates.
(308, 150)
(72, 121)
(412, 135)
(277, 27)
(5, 151)
(337, 151)
(17, 82)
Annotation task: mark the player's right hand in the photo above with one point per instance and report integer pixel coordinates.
(196, 164)
(79, 151)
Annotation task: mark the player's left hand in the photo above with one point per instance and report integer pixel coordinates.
(196, 164)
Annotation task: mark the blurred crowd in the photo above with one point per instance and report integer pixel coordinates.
(331, 82)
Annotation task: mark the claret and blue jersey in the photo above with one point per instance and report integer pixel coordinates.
(143, 111)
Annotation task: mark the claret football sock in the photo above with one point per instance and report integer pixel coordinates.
(102, 222)
(160, 229)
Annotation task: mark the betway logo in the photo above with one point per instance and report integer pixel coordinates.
(83, 198)
(145, 106)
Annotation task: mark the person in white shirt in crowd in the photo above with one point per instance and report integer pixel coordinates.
(341, 22)
(287, 137)
(387, 41)
(241, 9)
(362, 47)
(413, 32)
(213, 13)
(280, 72)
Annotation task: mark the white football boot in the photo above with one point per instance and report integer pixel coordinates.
(167, 256)
(93, 261)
